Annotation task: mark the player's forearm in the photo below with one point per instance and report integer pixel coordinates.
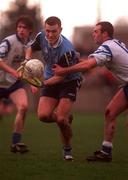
(53, 80)
(28, 53)
(8, 69)
(83, 66)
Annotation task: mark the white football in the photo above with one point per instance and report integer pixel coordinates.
(34, 68)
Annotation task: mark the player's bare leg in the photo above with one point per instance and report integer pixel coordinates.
(62, 113)
(19, 98)
(46, 109)
(117, 105)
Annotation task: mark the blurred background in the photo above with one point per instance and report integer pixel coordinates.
(78, 19)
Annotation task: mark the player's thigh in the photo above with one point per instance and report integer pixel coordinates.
(118, 104)
(19, 97)
(46, 105)
(64, 107)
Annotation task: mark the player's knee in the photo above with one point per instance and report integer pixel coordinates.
(43, 117)
(61, 121)
(23, 108)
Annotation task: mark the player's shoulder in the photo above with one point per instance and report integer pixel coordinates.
(11, 37)
(39, 36)
(66, 40)
(67, 44)
(7, 41)
(109, 45)
(113, 42)
(108, 42)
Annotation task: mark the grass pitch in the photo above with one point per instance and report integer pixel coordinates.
(45, 160)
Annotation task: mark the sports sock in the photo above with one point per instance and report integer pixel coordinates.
(67, 150)
(106, 147)
(16, 137)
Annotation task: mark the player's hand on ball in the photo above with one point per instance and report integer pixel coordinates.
(24, 62)
(32, 72)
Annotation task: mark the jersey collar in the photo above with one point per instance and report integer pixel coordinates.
(21, 39)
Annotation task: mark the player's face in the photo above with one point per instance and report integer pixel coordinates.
(23, 32)
(52, 33)
(98, 35)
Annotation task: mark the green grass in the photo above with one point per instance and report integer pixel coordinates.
(45, 162)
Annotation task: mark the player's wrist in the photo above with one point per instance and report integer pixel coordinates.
(27, 59)
(24, 62)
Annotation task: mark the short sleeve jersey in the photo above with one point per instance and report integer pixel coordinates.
(114, 55)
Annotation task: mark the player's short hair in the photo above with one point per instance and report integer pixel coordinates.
(106, 26)
(27, 21)
(53, 20)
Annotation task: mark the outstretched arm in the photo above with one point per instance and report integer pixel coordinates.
(53, 80)
(84, 65)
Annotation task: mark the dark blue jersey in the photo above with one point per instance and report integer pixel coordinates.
(63, 53)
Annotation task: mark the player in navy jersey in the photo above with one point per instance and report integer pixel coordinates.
(114, 55)
(58, 93)
(12, 53)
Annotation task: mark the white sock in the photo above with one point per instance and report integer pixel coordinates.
(107, 143)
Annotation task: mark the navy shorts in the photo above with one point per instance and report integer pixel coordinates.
(125, 88)
(5, 92)
(62, 90)
(6, 101)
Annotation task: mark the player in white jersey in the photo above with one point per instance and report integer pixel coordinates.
(114, 55)
(12, 53)
(6, 107)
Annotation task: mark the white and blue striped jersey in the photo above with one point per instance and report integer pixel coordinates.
(114, 55)
(12, 51)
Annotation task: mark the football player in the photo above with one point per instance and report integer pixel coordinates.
(12, 53)
(113, 54)
(58, 93)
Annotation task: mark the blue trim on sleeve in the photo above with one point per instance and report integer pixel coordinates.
(2, 55)
(108, 50)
